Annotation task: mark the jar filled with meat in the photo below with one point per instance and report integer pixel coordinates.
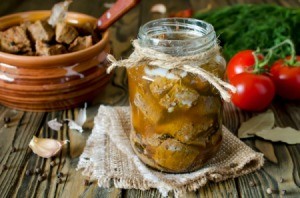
(176, 114)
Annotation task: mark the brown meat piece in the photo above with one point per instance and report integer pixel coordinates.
(14, 40)
(198, 83)
(148, 108)
(175, 155)
(179, 97)
(81, 43)
(65, 33)
(31, 53)
(202, 85)
(41, 30)
(189, 131)
(43, 49)
(206, 106)
(89, 29)
(160, 86)
(164, 151)
(25, 25)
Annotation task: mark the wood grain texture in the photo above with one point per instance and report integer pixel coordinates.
(18, 134)
(223, 189)
(14, 182)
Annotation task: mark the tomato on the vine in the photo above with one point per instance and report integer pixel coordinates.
(241, 62)
(254, 91)
(286, 78)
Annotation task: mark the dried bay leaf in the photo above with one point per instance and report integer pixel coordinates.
(287, 135)
(263, 121)
(267, 149)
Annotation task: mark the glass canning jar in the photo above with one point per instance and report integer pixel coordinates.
(176, 115)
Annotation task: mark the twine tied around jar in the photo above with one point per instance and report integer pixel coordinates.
(144, 55)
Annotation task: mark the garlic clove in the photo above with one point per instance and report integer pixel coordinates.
(159, 8)
(45, 147)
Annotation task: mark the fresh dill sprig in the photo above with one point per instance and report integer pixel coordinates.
(251, 26)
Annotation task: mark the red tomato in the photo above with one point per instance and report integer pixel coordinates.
(241, 62)
(286, 79)
(183, 13)
(254, 91)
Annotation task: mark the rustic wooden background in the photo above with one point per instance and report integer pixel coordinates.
(282, 161)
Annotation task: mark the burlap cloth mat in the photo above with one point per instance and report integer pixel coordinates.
(108, 157)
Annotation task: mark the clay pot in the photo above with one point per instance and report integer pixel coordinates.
(47, 83)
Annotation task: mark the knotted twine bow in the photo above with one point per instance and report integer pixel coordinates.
(143, 55)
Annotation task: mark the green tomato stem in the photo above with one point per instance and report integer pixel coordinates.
(259, 65)
(293, 59)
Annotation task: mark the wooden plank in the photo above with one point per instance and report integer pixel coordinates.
(20, 131)
(289, 3)
(138, 193)
(66, 163)
(270, 175)
(287, 156)
(95, 191)
(222, 189)
(72, 182)
(14, 182)
(293, 109)
(13, 6)
(92, 7)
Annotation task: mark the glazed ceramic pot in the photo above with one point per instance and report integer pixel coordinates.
(47, 83)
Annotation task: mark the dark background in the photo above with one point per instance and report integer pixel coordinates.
(92, 7)
(95, 7)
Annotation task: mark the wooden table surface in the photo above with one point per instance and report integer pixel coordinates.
(283, 160)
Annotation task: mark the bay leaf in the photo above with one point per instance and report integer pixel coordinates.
(267, 149)
(263, 121)
(287, 135)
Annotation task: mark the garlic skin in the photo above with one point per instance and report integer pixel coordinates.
(54, 124)
(45, 147)
(80, 120)
(74, 125)
(59, 12)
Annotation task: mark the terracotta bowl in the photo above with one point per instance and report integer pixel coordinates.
(47, 83)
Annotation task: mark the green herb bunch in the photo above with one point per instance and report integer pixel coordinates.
(254, 26)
